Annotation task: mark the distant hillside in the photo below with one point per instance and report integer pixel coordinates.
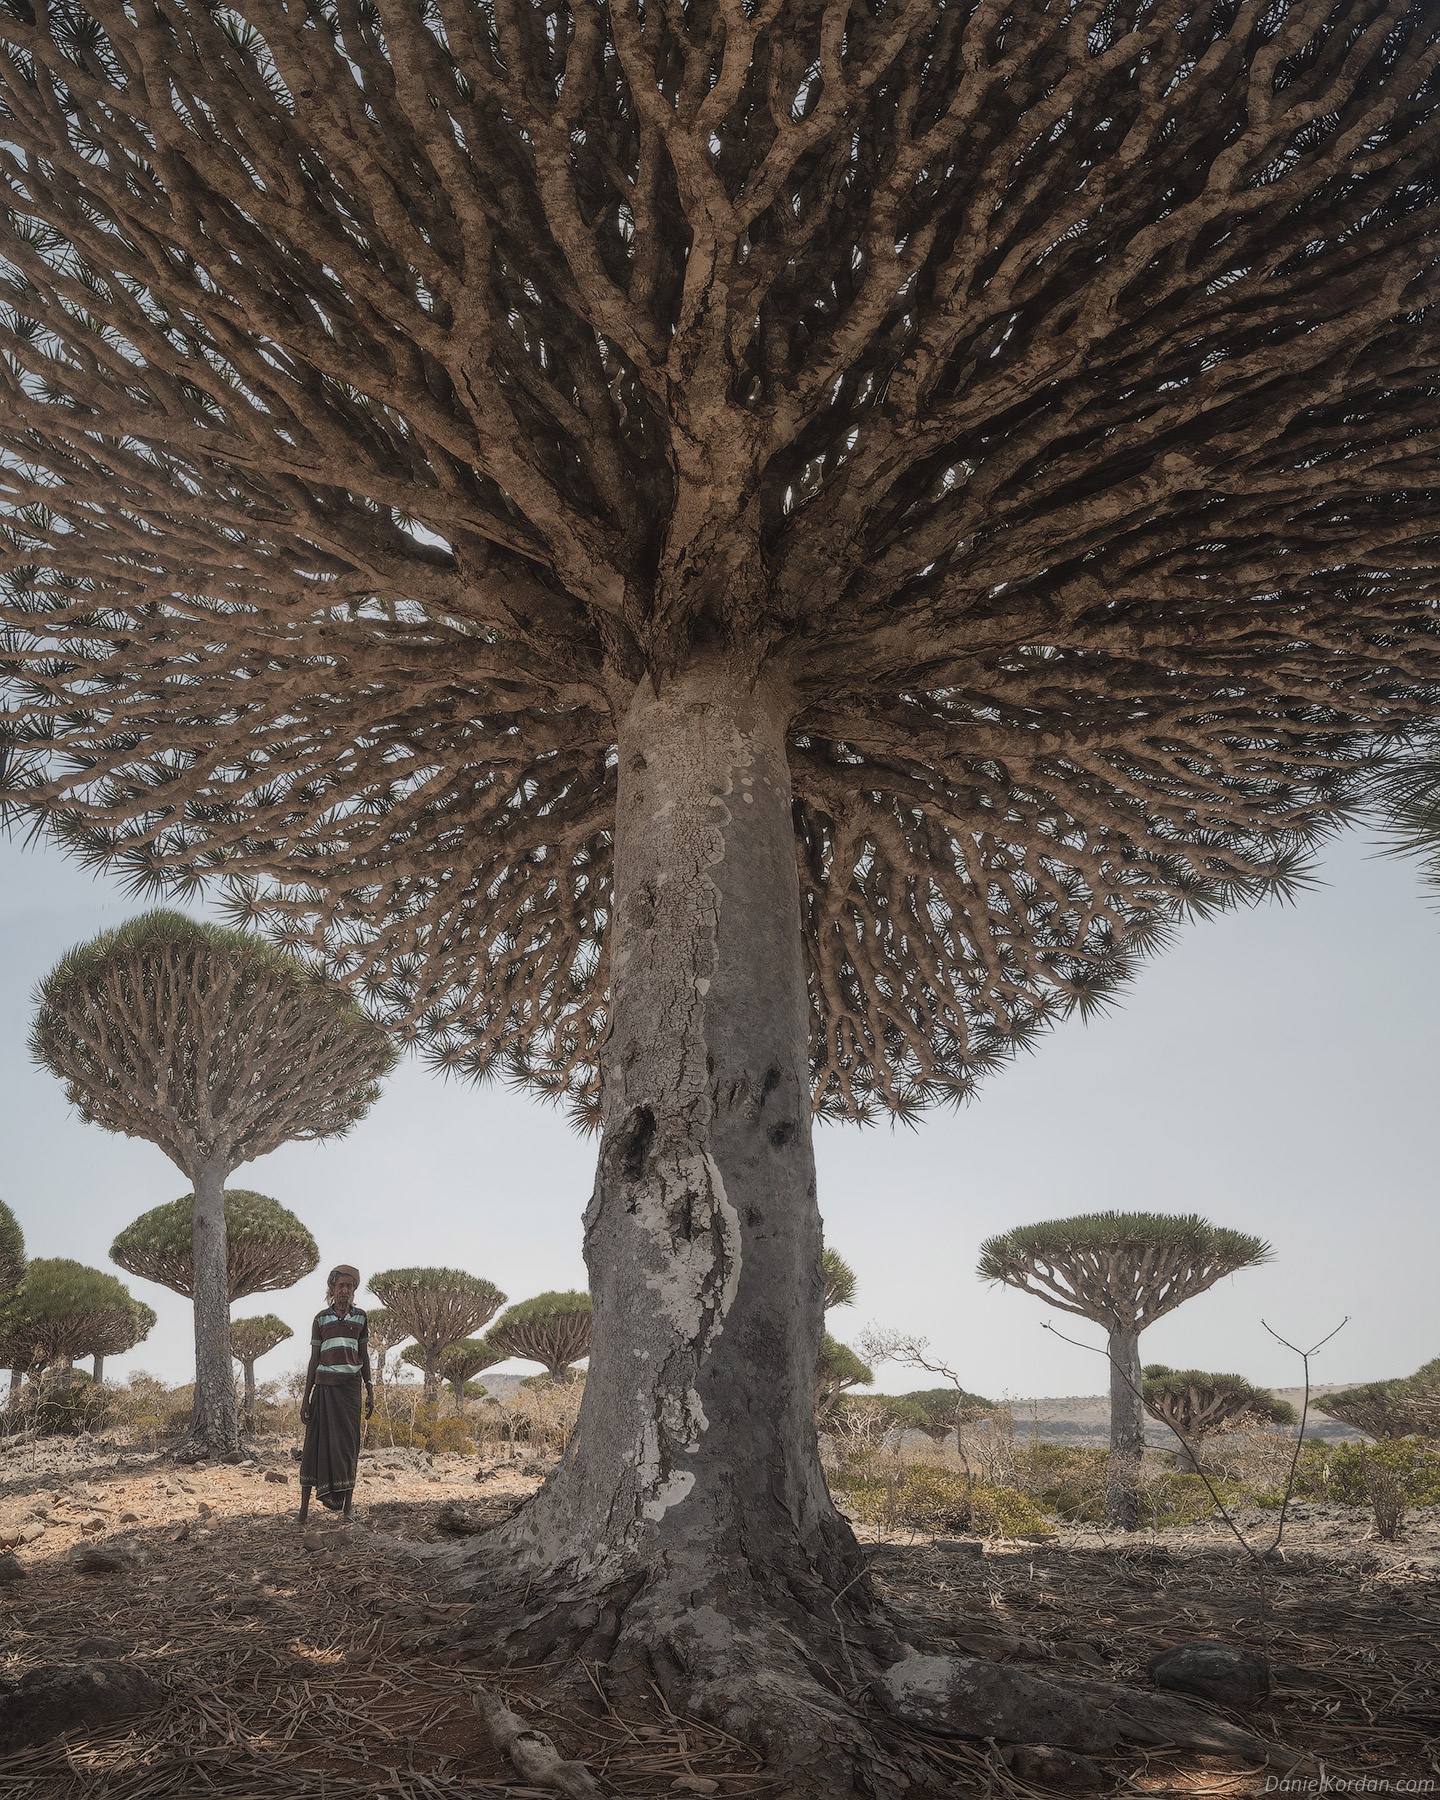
(1085, 1418)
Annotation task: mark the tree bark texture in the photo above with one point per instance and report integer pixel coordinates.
(214, 1422)
(248, 1410)
(691, 1503)
(430, 1391)
(97, 1367)
(1127, 1431)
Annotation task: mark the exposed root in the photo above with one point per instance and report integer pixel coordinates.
(534, 1756)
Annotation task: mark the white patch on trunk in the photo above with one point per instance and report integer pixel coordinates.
(674, 1491)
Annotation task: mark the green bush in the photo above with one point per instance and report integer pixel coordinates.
(1336, 1472)
(925, 1497)
(61, 1412)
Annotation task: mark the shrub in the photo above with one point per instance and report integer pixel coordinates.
(400, 1422)
(924, 1496)
(1337, 1472)
(60, 1411)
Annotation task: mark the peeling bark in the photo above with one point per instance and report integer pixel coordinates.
(689, 1537)
(1127, 1431)
(214, 1420)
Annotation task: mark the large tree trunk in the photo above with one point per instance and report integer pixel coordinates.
(214, 1422)
(430, 1391)
(97, 1367)
(1127, 1431)
(688, 1537)
(248, 1410)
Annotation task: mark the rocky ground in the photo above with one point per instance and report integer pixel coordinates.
(197, 1642)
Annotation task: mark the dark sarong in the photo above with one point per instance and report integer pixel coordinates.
(332, 1442)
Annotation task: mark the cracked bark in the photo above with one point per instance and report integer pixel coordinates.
(1127, 1430)
(689, 1537)
(214, 1419)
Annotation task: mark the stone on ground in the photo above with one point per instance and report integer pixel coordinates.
(1225, 1674)
(60, 1697)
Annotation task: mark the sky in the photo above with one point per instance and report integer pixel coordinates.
(1274, 1070)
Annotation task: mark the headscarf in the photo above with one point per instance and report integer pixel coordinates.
(339, 1270)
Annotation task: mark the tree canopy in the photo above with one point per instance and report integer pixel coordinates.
(12, 1251)
(839, 1280)
(1195, 1402)
(1401, 1407)
(938, 1411)
(457, 1363)
(1115, 1266)
(1045, 392)
(437, 1307)
(257, 1336)
(551, 1328)
(837, 1369)
(64, 1309)
(266, 1246)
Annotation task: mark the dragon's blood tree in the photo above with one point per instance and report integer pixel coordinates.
(939, 1411)
(250, 1339)
(64, 1309)
(1195, 1403)
(384, 1331)
(1123, 1271)
(458, 1364)
(266, 1245)
(839, 1280)
(217, 1048)
(552, 1329)
(437, 1307)
(118, 1332)
(837, 1370)
(1406, 1406)
(771, 549)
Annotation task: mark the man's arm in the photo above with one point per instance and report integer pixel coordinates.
(312, 1366)
(365, 1368)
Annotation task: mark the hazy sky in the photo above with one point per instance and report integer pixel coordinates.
(1276, 1070)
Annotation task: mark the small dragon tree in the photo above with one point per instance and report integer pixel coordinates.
(551, 1328)
(459, 1363)
(64, 1309)
(217, 1048)
(437, 1307)
(385, 1332)
(266, 1246)
(12, 1272)
(837, 1370)
(123, 1334)
(1404, 1407)
(250, 1339)
(1123, 1271)
(939, 1411)
(839, 1280)
(1195, 1402)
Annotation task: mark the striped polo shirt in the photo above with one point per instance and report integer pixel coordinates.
(343, 1340)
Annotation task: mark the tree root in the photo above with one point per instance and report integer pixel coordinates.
(534, 1756)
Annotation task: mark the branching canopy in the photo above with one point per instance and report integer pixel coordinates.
(207, 1042)
(266, 1245)
(64, 1309)
(1044, 390)
(1194, 1402)
(458, 1363)
(552, 1328)
(12, 1251)
(836, 1369)
(384, 1329)
(1391, 1409)
(252, 1338)
(437, 1307)
(839, 1279)
(1122, 1270)
(938, 1411)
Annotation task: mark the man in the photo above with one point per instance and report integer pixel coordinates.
(330, 1410)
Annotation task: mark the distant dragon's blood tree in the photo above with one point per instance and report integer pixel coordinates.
(837, 1370)
(939, 1411)
(385, 1332)
(118, 1333)
(250, 1339)
(839, 1280)
(437, 1307)
(552, 1329)
(1194, 1403)
(1123, 1271)
(1406, 1406)
(458, 1364)
(217, 1048)
(773, 549)
(64, 1310)
(12, 1272)
(266, 1245)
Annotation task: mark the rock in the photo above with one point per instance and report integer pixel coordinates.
(59, 1697)
(129, 1518)
(459, 1521)
(971, 1547)
(233, 1456)
(91, 1526)
(11, 1568)
(694, 1784)
(277, 1475)
(205, 1509)
(1056, 1768)
(1225, 1674)
(99, 1648)
(103, 1559)
(967, 1696)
